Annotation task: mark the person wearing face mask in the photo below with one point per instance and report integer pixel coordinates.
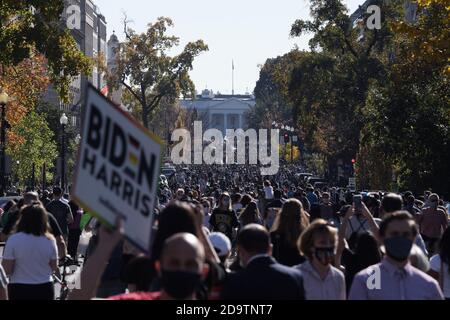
(322, 280)
(393, 202)
(223, 218)
(432, 222)
(181, 269)
(262, 277)
(395, 278)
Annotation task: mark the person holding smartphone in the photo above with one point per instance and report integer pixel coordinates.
(361, 222)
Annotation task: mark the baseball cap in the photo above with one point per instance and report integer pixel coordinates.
(221, 243)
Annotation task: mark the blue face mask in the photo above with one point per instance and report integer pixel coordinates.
(398, 248)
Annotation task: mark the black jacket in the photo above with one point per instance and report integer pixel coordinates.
(264, 279)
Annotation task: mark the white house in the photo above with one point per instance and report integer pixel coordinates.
(220, 111)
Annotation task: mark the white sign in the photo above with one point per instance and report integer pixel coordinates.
(118, 168)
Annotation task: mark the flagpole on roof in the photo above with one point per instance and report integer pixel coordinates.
(232, 77)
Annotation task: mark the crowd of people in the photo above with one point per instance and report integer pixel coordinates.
(226, 232)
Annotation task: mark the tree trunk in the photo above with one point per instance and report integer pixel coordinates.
(145, 121)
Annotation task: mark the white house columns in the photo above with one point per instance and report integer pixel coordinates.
(224, 121)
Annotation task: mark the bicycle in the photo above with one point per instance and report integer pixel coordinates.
(61, 279)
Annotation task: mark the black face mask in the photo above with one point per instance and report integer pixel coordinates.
(180, 284)
(398, 248)
(325, 255)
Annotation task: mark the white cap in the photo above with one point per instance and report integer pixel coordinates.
(221, 243)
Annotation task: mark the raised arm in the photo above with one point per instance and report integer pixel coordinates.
(97, 262)
(372, 224)
(341, 236)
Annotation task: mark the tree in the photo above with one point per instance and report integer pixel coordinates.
(408, 116)
(271, 92)
(149, 73)
(33, 26)
(52, 114)
(37, 148)
(330, 84)
(25, 84)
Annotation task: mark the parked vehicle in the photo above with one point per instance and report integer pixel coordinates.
(5, 200)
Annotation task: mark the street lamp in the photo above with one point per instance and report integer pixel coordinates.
(63, 121)
(3, 102)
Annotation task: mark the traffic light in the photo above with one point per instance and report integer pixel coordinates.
(353, 161)
(286, 138)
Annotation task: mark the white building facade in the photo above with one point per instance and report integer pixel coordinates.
(219, 111)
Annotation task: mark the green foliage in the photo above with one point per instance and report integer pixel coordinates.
(408, 116)
(383, 100)
(38, 147)
(149, 73)
(271, 92)
(52, 115)
(316, 163)
(22, 30)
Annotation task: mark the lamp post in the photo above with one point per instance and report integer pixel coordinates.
(3, 102)
(63, 121)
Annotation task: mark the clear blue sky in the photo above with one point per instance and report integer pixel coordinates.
(248, 31)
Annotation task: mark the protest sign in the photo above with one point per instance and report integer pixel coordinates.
(118, 168)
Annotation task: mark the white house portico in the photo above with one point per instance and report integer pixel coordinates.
(221, 112)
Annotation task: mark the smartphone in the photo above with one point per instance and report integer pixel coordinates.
(357, 200)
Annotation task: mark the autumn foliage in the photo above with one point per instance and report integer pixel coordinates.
(25, 84)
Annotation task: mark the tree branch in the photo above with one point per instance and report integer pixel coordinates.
(125, 26)
(132, 92)
(349, 46)
(152, 106)
(374, 41)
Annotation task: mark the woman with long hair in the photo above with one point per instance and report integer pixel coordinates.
(31, 256)
(287, 228)
(440, 264)
(366, 251)
(250, 215)
(223, 219)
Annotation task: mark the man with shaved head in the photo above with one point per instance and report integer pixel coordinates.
(181, 268)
